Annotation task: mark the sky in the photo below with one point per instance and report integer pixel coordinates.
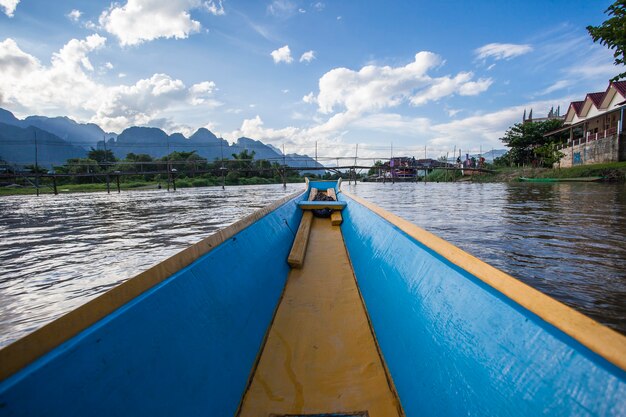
(416, 78)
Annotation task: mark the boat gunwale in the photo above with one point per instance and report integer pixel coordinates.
(24, 351)
(600, 339)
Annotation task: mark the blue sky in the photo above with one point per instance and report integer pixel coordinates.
(415, 74)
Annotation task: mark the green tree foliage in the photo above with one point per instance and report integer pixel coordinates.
(528, 145)
(104, 158)
(244, 162)
(612, 33)
(374, 170)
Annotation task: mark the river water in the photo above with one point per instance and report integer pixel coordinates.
(57, 252)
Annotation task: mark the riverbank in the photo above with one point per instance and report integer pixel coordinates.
(610, 172)
(136, 185)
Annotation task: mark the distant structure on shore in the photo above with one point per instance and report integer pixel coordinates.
(595, 128)
(552, 114)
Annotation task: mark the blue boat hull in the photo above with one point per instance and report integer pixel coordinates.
(452, 338)
(455, 346)
(185, 347)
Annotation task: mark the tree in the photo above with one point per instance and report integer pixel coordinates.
(104, 158)
(243, 162)
(612, 33)
(528, 143)
(374, 170)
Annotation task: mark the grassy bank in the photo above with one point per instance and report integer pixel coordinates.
(46, 188)
(613, 172)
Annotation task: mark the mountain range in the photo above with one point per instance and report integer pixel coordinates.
(54, 140)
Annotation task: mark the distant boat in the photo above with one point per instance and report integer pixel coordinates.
(579, 179)
(288, 314)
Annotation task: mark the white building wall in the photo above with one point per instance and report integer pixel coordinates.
(617, 98)
(593, 111)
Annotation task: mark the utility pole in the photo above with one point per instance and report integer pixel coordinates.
(104, 140)
(169, 171)
(36, 165)
(222, 167)
(284, 168)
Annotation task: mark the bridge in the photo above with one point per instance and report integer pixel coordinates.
(175, 169)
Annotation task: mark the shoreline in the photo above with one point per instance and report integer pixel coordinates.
(614, 172)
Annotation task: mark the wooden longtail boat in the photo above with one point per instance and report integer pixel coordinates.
(376, 317)
(577, 179)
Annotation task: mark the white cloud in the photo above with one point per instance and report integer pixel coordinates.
(595, 70)
(453, 112)
(282, 8)
(373, 88)
(13, 61)
(361, 99)
(309, 98)
(90, 25)
(201, 93)
(307, 56)
(67, 86)
(73, 55)
(215, 8)
(285, 91)
(144, 20)
(559, 85)
(108, 65)
(9, 6)
(74, 15)
(282, 55)
(319, 6)
(500, 51)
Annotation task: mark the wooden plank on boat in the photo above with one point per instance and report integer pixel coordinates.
(320, 357)
(298, 250)
(335, 218)
(318, 205)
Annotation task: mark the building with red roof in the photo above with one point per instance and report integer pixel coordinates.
(595, 128)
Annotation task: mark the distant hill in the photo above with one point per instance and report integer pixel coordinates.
(17, 146)
(61, 138)
(157, 143)
(85, 135)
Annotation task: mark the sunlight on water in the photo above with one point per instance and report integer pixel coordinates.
(57, 252)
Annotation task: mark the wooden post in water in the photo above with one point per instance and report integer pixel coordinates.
(54, 184)
(222, 167)
(36, 165)
(104, 141)
(117, 179)
(284, 168)
(174, 178)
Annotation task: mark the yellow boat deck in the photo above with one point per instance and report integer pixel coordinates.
(320, 356)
